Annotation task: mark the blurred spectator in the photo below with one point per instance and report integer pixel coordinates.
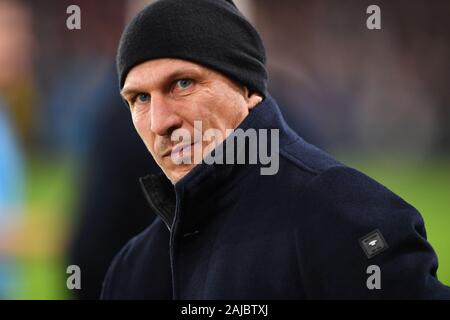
(16, 103)
(16, 80)
(11, 168)
(11, 200)
(113, 208)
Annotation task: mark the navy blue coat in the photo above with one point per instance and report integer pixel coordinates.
(228, 232)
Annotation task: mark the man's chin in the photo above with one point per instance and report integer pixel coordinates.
(177, 174)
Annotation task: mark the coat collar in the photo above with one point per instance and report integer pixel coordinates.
(206, 180)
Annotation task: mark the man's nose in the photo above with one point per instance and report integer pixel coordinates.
(164, 119)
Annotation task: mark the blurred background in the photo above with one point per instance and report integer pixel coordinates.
(378, 100)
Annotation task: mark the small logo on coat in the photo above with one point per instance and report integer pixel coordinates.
(373, 243)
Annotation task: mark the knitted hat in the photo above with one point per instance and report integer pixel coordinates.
(212, 33)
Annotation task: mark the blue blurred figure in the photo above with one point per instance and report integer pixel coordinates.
(11, 199)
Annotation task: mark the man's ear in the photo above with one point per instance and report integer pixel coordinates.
(252, 98)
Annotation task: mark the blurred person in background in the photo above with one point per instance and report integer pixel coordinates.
(112, 207)
(16, 77)
(11, 201)
(17, 98)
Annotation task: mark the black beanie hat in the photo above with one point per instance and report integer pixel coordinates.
(212, 33)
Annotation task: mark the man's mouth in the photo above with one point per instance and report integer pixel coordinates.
(180, 151)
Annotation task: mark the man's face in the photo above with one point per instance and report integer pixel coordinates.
(169, 94)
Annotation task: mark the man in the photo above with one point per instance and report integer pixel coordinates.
(311, 229)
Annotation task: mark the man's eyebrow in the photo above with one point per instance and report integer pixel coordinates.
(129, 91)
(168, 79)
(132, 90)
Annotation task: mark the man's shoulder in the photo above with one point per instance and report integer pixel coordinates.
(330, 187)
(321, 172)
(305, 156)
(301, 163)
(321, 184)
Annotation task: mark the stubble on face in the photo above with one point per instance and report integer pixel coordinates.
(166, 95)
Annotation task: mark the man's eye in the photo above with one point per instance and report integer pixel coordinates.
(184, 83)
(143, 97)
